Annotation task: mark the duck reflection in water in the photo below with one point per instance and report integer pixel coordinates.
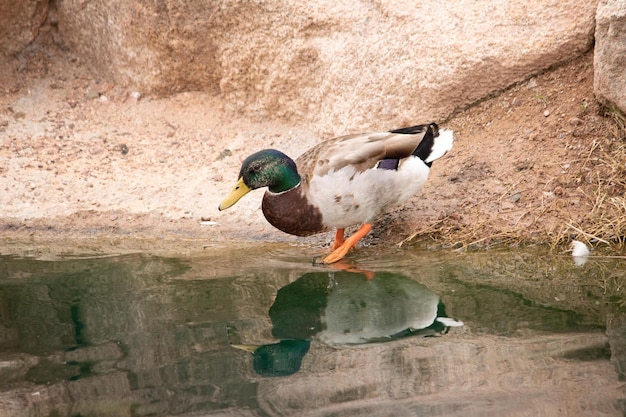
(343, 309)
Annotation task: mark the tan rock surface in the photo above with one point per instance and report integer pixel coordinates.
(334, 66)
(20, 22)
(610, 53)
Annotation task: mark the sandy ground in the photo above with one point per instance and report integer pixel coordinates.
(84, 162)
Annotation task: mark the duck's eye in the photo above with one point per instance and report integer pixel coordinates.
(256, 168)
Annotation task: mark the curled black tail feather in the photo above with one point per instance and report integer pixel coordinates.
(424, 149)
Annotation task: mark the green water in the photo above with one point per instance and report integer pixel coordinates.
(262, 331)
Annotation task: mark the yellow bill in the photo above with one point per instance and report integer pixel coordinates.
(238, 191)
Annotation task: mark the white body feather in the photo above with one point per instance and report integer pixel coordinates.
(350, 197)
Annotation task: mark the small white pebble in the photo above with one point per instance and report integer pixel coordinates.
(208, 223)
(580, 253)
(579, 249)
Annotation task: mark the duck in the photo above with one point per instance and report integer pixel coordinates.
(341, 182)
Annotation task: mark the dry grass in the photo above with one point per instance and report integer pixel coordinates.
(605, 192)
(606, 219)
(598, 179)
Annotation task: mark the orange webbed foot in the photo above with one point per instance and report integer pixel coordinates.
(349, 243)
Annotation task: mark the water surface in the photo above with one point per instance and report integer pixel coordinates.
(262, 331)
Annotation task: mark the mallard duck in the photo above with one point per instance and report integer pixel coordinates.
(341, 182)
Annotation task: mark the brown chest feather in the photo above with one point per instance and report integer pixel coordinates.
(291, 213)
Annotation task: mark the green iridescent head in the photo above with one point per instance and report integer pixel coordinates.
(267, 168)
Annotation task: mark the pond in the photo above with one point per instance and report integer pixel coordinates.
(260, 330)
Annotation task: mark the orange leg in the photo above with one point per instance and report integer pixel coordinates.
(339, 239)
(349, 243)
